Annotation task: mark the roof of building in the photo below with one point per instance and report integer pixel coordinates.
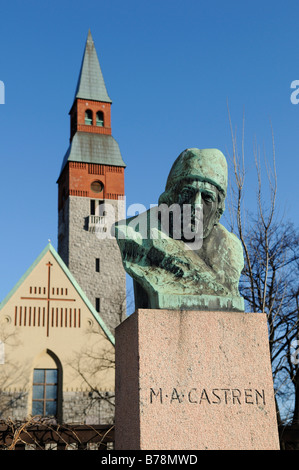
(91, 83)
(51, 249)
(99, 149)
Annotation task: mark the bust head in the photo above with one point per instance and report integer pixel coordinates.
(198, 177)
(203, 272)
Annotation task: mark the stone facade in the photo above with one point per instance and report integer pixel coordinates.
(48, 324)
(80, 246)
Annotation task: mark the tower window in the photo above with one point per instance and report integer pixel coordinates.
(97, 207)
(88, 117)
(98, 304)
(100, 119)
(97, 186)
(92, 207)
(97, 265)
(44, 393)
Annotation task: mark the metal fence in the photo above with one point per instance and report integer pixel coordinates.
(24, 436)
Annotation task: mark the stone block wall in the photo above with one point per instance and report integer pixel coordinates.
(13, 405)
(78, 407)
(79, 247)
(87, 408)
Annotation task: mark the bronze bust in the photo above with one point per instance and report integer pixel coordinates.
(180, 262)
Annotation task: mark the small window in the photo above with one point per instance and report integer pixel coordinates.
(97, 207)
(98, 304)
(88, 117)
(97, 186)
(92, 207)
(44, 393)
(97, 265)
(100, 119)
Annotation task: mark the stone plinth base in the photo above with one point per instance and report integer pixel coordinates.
(192, 380)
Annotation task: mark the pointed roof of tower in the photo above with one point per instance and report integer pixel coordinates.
(91, 83)
(93, 148)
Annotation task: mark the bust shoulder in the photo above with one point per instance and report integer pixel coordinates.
(224, 250)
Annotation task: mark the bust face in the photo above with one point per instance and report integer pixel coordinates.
(194, 192)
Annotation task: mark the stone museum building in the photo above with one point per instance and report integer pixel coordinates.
(57, 324)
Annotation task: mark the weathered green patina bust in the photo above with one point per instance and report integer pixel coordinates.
(178, 253)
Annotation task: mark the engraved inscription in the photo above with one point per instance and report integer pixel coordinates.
(214, 396)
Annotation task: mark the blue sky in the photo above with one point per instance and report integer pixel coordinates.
(170, 67)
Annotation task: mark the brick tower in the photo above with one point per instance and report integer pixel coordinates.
(91, 176)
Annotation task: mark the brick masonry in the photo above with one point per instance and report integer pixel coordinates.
(77, 114)
(76, 180)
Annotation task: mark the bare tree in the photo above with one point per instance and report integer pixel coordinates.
(269, 281)
(9, 373)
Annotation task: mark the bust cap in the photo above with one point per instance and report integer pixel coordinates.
(201, 164)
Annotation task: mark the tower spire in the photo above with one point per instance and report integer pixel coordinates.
(92, 175)
(91, 83)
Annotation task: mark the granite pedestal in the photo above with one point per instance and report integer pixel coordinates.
(194, 380)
